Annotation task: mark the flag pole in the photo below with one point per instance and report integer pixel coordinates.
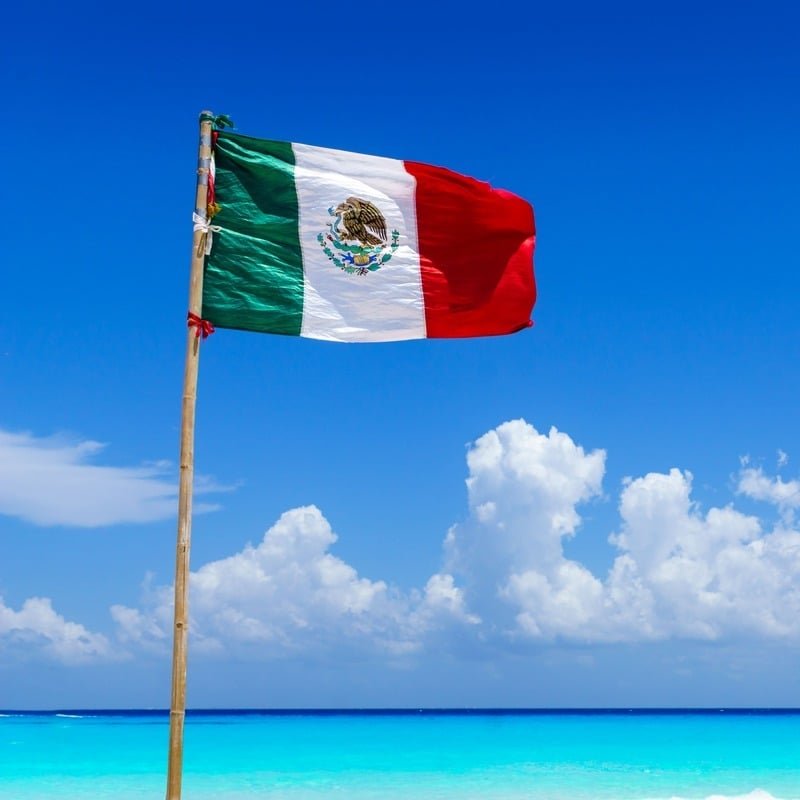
(181, 621)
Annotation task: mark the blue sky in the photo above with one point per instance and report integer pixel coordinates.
(659, 148)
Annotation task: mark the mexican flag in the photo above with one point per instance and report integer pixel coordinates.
(347, 247)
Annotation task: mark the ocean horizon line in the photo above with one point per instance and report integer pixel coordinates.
(413, 711)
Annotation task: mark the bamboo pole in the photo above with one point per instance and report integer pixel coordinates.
(181, 624)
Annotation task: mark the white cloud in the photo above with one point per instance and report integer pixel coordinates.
(51, 481)
(755, 484)
(286, 594)
(440, 610)
(38, 630)
(679, 572)
(134, 627)
(709, 575)
(524, 488)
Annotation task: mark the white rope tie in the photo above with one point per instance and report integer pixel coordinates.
(208, 230)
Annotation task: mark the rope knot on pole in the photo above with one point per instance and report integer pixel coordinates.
(218, 121)
(208, 230)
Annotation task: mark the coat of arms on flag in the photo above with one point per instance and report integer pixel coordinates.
(358, 236)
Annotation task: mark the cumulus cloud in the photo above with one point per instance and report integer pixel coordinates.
(524, 488)
(286, 594)
(708, 575)
(137, 628)
(443, 601)
(38, 630)
(754, 483)
(679, 571)
(52, 481)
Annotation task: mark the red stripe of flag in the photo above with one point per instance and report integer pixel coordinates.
(476, 255)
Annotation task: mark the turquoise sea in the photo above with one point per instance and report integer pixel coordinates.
(424, 755)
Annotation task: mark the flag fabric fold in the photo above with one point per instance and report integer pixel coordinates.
(340, 246)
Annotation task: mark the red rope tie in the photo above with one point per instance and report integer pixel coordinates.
(202, 326)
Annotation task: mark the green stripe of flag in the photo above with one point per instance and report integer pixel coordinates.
(254, 275)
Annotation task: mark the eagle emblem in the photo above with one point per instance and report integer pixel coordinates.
(356, 240)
